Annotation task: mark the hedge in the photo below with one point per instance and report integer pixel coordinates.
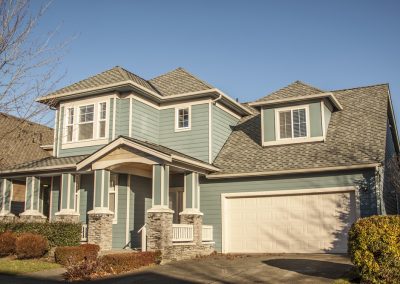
(75, 254)
(57, 233)
(30, 245)
(374, 248)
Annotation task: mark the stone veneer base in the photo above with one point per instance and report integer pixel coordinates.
(68, 218)
(185, 251)
(197, 221)
(100, 229)
(159, 229)
(32, 218)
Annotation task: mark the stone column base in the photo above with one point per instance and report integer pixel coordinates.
(195, 219)
(159, 228)
(32, 216)
(100, 228)
(67, 217)
(7, 217)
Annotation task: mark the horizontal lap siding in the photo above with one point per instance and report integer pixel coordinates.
(55, 196)
(122, 117)
(211, 190)
(119, 229)
(145, 121)
(79, 151)
(193, 142)
(86, 196)
(222, 123)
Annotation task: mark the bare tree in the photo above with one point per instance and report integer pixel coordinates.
(28, 62)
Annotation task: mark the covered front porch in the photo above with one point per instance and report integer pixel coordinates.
(129, 194)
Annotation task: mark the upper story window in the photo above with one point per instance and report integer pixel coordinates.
(86, 121)
(102, 119)
(182, 118)
(292, 123)
(70, 124)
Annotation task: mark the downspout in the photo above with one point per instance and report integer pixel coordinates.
(217, 99)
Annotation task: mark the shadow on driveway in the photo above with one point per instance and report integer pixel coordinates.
(311, 267)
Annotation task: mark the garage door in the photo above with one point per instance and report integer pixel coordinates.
(291, 223)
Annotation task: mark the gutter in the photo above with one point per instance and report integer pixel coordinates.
(296, 171)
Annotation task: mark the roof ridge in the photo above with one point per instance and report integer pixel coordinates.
(195, 77)
(361, 87)
(25, 120)
(308, 85)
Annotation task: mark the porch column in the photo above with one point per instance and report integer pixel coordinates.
(101, 218)
(191, 213)
(32, 200)
(67, 211)
(5, 200)
(159, 217)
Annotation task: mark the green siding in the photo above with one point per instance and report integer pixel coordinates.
(60, 131)
(327, 117)
(79, 151)
(189, 189)
(56, 129)
(222, 124)
(28, 193)
(269, 124)
(122, 117)
(86, 196)
(193, 142)
(315, 119)
(140, 203)
(55, 196)
(119, 229)
(145, 121)
(211, 190)
(390, 198)
(157, 184)
(64, 191)
(98, 176)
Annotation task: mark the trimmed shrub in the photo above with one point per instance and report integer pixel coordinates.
(30, 245)
(7, 243)
(374, 248)
(124, 262)
(73, 255)
(57, 233)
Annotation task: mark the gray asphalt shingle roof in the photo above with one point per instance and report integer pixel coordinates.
(356, 135)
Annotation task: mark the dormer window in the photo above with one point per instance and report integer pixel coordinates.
(86, 119)
(182, 119)
(292, 123)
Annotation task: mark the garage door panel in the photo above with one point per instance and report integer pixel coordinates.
(311, 223)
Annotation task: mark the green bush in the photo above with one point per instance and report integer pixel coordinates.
(374, 248)
(7, 243)
(57, 233)
(73, 255)
(30, 245)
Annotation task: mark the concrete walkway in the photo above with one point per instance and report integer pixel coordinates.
(287, 268)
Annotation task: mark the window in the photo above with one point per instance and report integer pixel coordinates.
(70, 124)
(182, 118)
(86, 115)
(292, 123)
(112, 196)
(102, 119)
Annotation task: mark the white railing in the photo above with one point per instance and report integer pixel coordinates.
(143, 232)
(207, 233)
(182, 233)
(84, 233)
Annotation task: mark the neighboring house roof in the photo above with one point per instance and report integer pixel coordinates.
(20, 141)
(356, 135)
(295, 89)
(179, 81)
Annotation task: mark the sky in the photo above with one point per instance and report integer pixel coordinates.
(247, 49)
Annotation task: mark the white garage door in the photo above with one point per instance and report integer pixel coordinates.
(306, 223)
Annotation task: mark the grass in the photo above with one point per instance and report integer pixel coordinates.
(17, 266)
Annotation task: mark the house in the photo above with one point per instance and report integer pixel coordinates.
(21, 141)
(173, 163)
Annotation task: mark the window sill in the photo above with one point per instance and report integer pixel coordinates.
(294, 141)
(182, 129)
(85, 143)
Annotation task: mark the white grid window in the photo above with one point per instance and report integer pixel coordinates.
(292, 123)
(113, 196)
(86, 121)
(70, 124)
(102, 119)
(182, 119)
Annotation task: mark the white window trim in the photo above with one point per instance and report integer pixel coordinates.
(68, 124)
(100, 119)
(96, 140)
(177, 128)
(79, 123)
(277, 124)
(115, 191)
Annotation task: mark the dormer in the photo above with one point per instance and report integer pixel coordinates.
(297, 113)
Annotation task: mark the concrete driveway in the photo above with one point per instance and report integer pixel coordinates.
(285, 268)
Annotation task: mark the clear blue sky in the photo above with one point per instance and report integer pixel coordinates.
(245, 48)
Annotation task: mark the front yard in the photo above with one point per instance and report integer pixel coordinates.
(21, 266)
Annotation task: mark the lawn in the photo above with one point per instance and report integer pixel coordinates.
(17, 266)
